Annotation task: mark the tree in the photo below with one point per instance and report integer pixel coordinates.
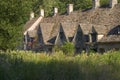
(14, 13)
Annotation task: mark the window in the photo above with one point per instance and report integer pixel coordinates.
(119, 30)
(61, 35)
(86, 38)
(115, 31)
(70, 39)
(94, 37)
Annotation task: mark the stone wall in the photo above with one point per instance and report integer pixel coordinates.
(108, 46)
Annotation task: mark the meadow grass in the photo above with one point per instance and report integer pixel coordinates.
(21, 65)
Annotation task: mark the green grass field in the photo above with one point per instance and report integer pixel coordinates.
(22, 65)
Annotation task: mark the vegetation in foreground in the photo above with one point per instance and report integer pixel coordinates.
(21, 65)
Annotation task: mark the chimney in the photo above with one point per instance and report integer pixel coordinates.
(55, 11)
(96, 4)
(113, 3)
(42, 12)
(32, 15)
(69, 8)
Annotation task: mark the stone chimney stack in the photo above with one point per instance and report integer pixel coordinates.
(42, 12)
(55, 11)
(96, 4)
(32, 15)
(113, 3)
(69, 8)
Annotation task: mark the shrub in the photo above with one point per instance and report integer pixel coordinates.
(30, 66)
(57, 49)
(68, 48)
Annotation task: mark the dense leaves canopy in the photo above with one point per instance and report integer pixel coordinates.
(13, 14)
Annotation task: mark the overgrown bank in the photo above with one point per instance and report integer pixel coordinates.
(30, 66)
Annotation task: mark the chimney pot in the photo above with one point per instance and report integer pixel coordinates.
(32, 15)
(96, 4)
(113, 3)
(55, 11)
(42, 12)
(69, 8)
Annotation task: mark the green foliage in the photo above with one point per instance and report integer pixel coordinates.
(57, 49)
(104, 2)
(21, 65)
(62, 4)
(68, 48)
(13, 15)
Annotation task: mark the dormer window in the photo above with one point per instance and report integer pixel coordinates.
(115, 31)
(62, 34)
(86, 38)
(61, 37)
(40, 37)
(78, 37)
(93, 35)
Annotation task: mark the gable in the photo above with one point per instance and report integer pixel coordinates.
(46, 29)
(69, 28)
(61, 37)
(78, 37)
(114, 31)
(40, 36)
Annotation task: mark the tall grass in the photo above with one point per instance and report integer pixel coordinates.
(41, 66)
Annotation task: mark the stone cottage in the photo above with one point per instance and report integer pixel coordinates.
(97, 29)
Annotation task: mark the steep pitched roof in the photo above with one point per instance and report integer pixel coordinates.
(46, 29)
(29, 23)
(103, 20)
(101, 16)
(69, 28)
(88, 28)
(93, 30)
(32, 24)
(61, 37)
(78, 37)
(101, 29)
(55, 30)
(32, 33)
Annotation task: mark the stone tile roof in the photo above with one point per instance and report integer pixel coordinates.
(69, 28)
(46, 29)
(100, 16)
(87, 28)
(103, 20)
(51, 30)
(101, 29)
(32, 33)
(55, 30)
(29, 23)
